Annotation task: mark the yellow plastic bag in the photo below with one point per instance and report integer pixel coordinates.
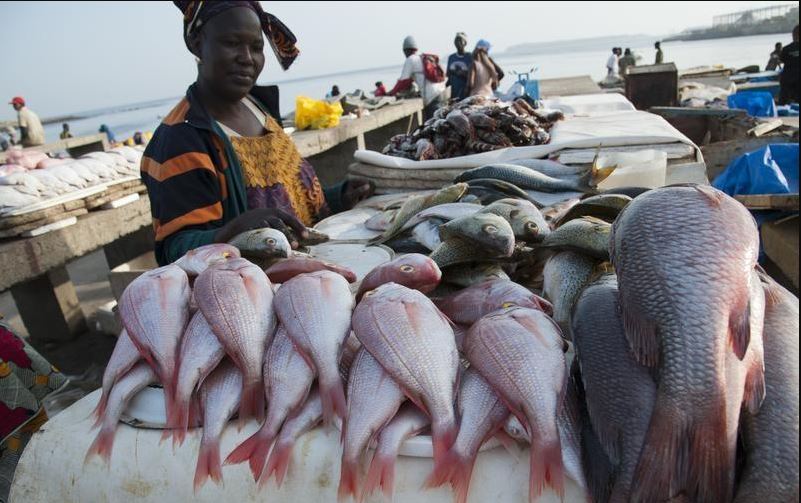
(316, 114)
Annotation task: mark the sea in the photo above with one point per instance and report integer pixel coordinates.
(575, 60)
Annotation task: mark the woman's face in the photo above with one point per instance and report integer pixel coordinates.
(231, 51)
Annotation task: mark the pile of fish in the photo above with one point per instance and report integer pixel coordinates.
(635, 379)
(31, 177)
(474, 125)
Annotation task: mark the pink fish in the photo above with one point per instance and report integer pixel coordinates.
(200, 353)
(415, 344)
(236, 299)
(471, 304)
(288, 379)
(198, 260)
(373, 400)
(124, 356)
(315, 309)
(412, 270)
(287, 269)
(220, 396)
(408, 422)
(155, 310)
(124, 389)
(349, 351)
(520, 352)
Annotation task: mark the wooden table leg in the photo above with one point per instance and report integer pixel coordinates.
(49, 306)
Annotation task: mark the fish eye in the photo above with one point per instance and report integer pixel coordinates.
(271, 241)
(531, 226)
(368, 294)
(490, 229)
(226, 254)
(507, 305)
(406, 268)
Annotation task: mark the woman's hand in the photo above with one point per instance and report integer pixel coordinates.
(356, 190)
(261, 218)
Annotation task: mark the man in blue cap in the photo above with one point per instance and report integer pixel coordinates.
(413, 72)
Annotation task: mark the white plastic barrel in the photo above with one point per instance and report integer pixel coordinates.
(143, 470)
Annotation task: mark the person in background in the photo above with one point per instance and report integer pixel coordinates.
(482, 79)
(660, 57)
(30, 127)
(612, 64)
(380, 90)
(789, 80)
(458, 68)
(105, 129)
(220, 162)
(413, 72)
(774, 62)
(334, 92)
(139, 138)
(626, 61)
(65, 131)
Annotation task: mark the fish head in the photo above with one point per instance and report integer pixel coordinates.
(450, 193)
(417, 271)
(198, 260)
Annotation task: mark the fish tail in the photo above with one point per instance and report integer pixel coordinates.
(442, 437)
(332, 396)
(348, 481)
(100, 409)
(208, 464)
(457, 470)
(103, 444)
(381, 474)
(546, 469)
(684, 451)
(252, 400)
(278, 463)
(254, 450)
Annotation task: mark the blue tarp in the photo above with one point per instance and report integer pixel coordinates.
(757, 103)
(773, 169)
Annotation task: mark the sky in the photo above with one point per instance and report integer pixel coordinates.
(74, 56)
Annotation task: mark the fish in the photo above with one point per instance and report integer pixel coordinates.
(414, 205)
(350, 349)
(613, 380)
(564, 276)
(220, 397)
(287, 269)
(373, 400)
(494, 190)
(313, 237)
(154, 310)
(236, 298)
(770, 437)
(491, 232)
(124, 356)
(551, 168)
(473, 303)
(552, 213)
(262, 243)
(586, 235)
(305, 419)
(427, 233)
(527, 222)
(520, 352)
(315, 309)
(460, 251)
(447, 212)
(603, 206)
(685, 298)
(525, 178)
(380, 221)
(415, 344)
(406, 244)
(124, 389)
(199, 259)
(408, 422)
(469, 275)
(632, 192)
(199, 354)
(413, 270)
(482, 415)
(288, 379)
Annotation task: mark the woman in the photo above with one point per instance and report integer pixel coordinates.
(482, 79)
(220, 163)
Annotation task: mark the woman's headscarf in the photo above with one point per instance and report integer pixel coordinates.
(198, 13)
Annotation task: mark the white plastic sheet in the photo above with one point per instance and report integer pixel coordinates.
(590, 104)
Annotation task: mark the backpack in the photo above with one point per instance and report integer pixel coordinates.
(431, 69)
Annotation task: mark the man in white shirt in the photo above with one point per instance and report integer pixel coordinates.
(31, 130)
(413, 72)
(611, 64)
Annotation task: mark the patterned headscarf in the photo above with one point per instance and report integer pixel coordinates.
(198, 13)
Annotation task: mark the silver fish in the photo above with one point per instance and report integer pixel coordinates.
(685, 300)
(460, 251)
(586, 235)
(236, 298)
(380, 221)
(262, 243)
(603, 206)
(525, 178)
(427, 233)
(447, 212)
(373, 400)
(315, 309)
(220, 395)
(551, 168)
(487, 230)
(124, 356)
(526, 220)
(564, 276)
(199, 259)
(469, 275)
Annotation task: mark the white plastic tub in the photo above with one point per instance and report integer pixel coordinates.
(646, 168)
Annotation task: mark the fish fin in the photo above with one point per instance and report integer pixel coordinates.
(252, 404)
(507, 442)
(546, 469)
(381, 474)
(349, 481)
(754, 386)
(715, 197)
(208, 464)
(332, 396)
(278, 463)
(455, 469)
(641, 333)
(103, 444)
(442, 437)
(740, 329)
(684, 449)
(100, 409)
(254, 450)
